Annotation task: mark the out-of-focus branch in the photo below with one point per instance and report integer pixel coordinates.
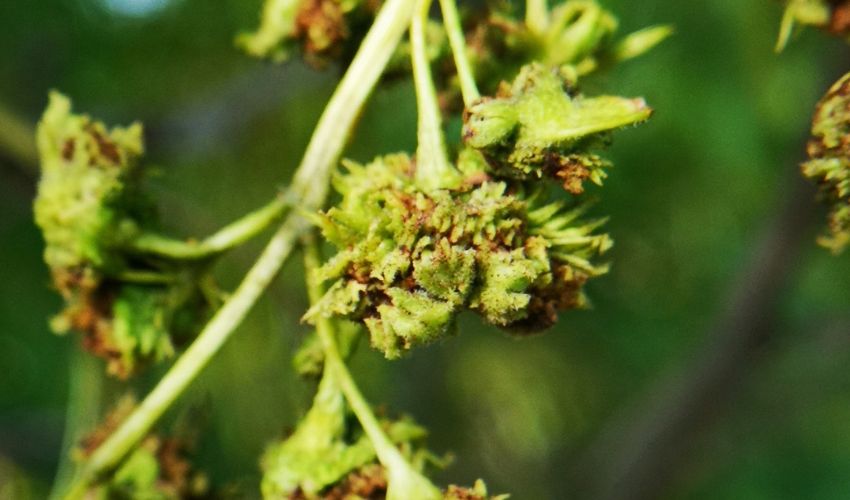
(643, 449)
(17, 141)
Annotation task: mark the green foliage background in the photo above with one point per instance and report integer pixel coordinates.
(690, 195)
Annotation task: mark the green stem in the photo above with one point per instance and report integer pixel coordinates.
(433, 170)
(310, 186)
(405, 483)
(145, 277)
(17, 141)
(451, 20)
(230, 236)
(84, 399)
(536, 16)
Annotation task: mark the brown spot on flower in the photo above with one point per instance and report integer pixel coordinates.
(839, 22)
(68, 149)
(570, 170)
(105, 147)
(564, 293)
(368, 483)
(455, 492)
(321, 25)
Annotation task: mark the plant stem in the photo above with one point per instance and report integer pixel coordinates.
(310, 186)
(451, 20)
(433, 170)
(536, 16)
(85, 392)
(17, 141)
(405, 483)
(226, 238)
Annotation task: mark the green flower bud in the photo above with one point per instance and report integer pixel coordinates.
(539, 127)
(409, 261)
(320, 27)
(88, 200)
(829, 163)
(90, 208)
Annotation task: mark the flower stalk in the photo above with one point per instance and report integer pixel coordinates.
(405, 483)
(433, 169)
(451, 21)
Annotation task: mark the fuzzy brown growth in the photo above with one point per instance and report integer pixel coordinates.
(569, 170)
(105, 147)
(68, 149)
(563, 294)
(368, 483)
(90, 313)
(321, 25)
(839, 22)
(176, 473)
(816, 147)
(113, 419)
(460, 493)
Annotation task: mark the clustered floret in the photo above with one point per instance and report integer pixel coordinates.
(90, 208)
(409, 260)
(320, 28)
(328, 447)
(829, 163)
(541, 126)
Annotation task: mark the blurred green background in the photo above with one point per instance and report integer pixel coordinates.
(713, 365)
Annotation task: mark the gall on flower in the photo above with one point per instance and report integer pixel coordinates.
(90, 208)
(410, 260)
(539, 126)
(829, 161)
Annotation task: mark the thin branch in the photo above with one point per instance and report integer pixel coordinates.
(432, 163)
(17, 141)
(451, 20)
(228, 237)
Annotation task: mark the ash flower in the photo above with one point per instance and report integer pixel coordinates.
(327, 454)
(575, 33)
(134, 293)
(320, 27)
(829, 163)
(90, 208)
(540, 126)
(410, 260)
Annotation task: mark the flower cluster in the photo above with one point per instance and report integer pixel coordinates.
(319, 27)
(90, 207)
(410, 260)
(829, 163)
(328, 456)
(541, 126)
(329, 451)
